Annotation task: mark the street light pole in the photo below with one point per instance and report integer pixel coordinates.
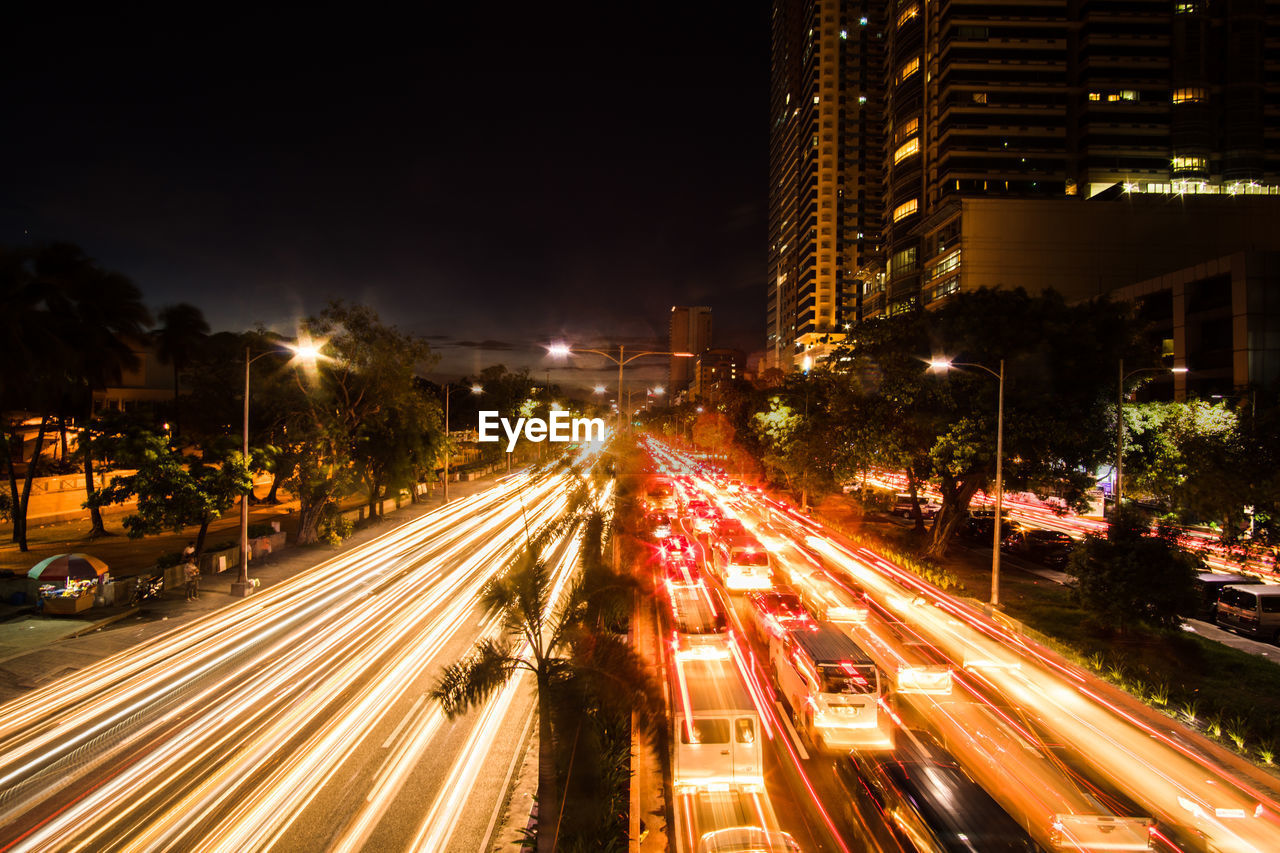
(945, 364)
(242, 586)
(475, 389)
(995, 544)
(621, 359)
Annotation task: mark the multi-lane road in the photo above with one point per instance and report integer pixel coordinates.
(1077, 763)
(297, 719)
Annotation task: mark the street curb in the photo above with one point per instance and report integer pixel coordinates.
(102, 623)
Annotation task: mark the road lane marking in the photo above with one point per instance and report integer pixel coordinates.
(404, 721)
(795, 737)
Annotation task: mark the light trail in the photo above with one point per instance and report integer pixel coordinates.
(221, 734)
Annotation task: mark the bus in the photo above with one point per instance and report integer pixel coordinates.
(832, 686)
(717, 734)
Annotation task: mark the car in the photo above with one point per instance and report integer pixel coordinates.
(980, 528)
(903, 505)
(660, 525)
(676, 545)
(678, 570)
(1049, 547)
(774, 611)
(918, 797)
(725, 527)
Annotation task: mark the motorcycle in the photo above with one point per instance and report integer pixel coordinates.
(148, 587)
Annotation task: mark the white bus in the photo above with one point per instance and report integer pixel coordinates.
(832, 687)
(717, 734)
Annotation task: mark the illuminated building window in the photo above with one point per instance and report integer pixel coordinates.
(911, 67)
(979, 97)
(905, 209)
(844, 34)
(902, 262)
(907, 128)
(907, 14)
(1187, 164)
(1190, 95)
(862, 99)
(1095, 96)
(948, 264)
(1128, 95)
(862, 22)
(1185, 8)
(817, 98)
(906, 149)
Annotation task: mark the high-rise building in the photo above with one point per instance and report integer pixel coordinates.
(825, 149)
(716, 366)
(981, 110)
(690, 331)
(1089, 101)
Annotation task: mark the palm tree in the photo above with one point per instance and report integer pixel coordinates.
(96, 313)
(182, 330)
(568, 657)
(28, 354)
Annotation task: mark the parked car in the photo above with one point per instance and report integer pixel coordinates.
(1049, 547)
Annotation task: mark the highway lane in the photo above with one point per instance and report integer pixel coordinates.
(263, 725)
(1201, 798)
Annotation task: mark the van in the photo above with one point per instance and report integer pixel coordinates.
(717, 728)
(1210, 585)
(831, 685)
(743, 564)
(1252, 610)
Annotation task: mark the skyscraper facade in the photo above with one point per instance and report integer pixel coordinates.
(825, 149)
(690, 331)
(984, 108)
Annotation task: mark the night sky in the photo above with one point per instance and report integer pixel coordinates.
(492, 178)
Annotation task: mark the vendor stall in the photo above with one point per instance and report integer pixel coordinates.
(69, 583)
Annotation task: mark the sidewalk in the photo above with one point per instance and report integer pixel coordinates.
(35, 650)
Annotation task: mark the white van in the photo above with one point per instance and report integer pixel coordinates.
(1251, 609)
(743, 564)
(832, 686)
(717, 728)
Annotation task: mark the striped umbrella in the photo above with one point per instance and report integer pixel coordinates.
(65, 567)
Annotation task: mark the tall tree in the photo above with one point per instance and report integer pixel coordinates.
(98, 315)
(1058, 404)
(182, 331)
(361, 390)
(175, 491)
(30, 360)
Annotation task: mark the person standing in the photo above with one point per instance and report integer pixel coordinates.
(192, 572)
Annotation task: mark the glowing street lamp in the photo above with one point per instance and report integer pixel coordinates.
(306, 352)
(476, 390)
(563, 350)
(942, 365)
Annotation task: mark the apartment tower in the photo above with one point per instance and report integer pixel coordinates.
(825, 148)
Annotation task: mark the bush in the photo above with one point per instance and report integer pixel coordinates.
(262, 528)
(172, 558)
(1131, 577)
(334, 529)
